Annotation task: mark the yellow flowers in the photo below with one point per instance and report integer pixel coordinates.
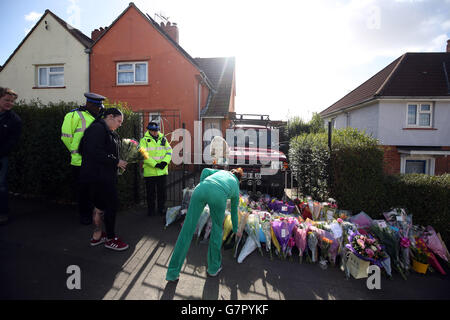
(143, 153)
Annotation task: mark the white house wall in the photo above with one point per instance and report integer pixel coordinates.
(392, 122)
(53, 46)
(365, 118)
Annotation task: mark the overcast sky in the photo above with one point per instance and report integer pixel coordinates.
(293, 57)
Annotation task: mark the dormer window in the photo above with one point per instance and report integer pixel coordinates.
(419, 115)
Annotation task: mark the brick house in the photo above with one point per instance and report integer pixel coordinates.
(140, 62)
(406, 106)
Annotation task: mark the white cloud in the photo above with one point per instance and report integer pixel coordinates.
(75, 14)
(33, 16)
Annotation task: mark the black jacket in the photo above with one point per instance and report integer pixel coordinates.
(100, 152)
(10, 129)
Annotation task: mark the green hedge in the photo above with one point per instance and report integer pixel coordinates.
(40, 164)
(426, 197)
(353, 175)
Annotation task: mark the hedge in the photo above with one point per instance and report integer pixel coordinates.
(352, 173)
(40, 164)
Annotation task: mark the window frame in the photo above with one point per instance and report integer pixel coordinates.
(430, 163)
(418, 113)
(39, 68)
(133, 63)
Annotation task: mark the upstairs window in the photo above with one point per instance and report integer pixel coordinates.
(132, 73)
(419, 115)
(51, 76)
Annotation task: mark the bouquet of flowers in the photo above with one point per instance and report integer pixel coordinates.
(252, 229)
(300, 233)
(243, 216)
(202, 222)
(325, 245)
(171, 215)
(208, 228)
(420, 244)
(282, 228)
(131, 152)
(290, 245)
(435, 244)
(312, 244)
(274, 240)
(266, 226)
(366, 248)
(391, 243)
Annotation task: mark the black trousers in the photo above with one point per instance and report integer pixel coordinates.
(104, 196)
(85, 205)
(156, 190)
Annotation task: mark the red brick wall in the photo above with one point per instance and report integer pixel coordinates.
(391, 160)
(172, 78)
(442, 164)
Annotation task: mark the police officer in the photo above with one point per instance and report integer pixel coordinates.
(156, 167)
(72, 130)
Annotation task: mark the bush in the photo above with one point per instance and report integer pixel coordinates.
(353, 175)
(309, 158)
(357, 167)
(426, 197)
(40, 164)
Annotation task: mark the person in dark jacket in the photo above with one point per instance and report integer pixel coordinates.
(10, 130)
(100, 152)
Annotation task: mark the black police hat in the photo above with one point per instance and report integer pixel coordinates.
(153, 126)
(95, 98)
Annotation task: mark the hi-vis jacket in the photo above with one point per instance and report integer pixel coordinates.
(72, 130)
(158, 152)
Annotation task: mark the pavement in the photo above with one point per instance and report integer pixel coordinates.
(43, 240)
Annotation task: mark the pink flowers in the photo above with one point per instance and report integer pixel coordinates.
(361, 243)
(405, 242)
(370, 253)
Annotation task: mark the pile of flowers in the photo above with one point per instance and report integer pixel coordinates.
(320, 232)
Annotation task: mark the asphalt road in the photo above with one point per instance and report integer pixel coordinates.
(43, 240)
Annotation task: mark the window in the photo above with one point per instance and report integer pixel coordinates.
(51, 76)
(419, 115)
(132, 73)
(417, 164)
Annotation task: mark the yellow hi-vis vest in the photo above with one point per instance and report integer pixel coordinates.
(157, 153)
(72, 130)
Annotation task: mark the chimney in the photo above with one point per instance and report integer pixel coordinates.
(448, 45)
(171, 30)
(97, 33)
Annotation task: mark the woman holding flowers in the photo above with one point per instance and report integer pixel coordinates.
(214, 189)
(100, 151)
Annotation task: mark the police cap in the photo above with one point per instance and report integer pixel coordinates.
(153, 126)
(95, 98)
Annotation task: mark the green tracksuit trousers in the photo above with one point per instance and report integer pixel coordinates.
(205, 193)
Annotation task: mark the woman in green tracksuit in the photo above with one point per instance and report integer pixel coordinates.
(215, 187)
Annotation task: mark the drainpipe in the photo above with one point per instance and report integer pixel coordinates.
(88, 51)
(199, 99)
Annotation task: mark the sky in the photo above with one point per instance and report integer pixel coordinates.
(293, 58)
